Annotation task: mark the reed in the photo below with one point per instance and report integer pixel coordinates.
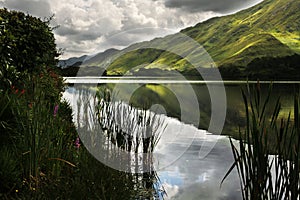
(133, 130)
(44, 139)
(40, 157)
(263, 176)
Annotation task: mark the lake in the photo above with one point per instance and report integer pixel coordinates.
(190, 162)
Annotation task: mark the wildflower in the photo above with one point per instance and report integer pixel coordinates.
(77, 143)
(55, 110)
(16, 91)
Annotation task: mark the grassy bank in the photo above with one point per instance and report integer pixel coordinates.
(41, 154)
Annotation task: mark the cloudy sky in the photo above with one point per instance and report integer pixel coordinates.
(91, 26)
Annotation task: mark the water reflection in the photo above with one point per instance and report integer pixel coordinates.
(193, 178)
(119, 136)
(182, 174)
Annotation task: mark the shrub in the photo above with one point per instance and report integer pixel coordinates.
(27, 43)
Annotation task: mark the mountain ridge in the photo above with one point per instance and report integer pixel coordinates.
(270, 29)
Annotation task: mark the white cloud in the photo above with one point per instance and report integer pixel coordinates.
(84, 23)
(95, 22)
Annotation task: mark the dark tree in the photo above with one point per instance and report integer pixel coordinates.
(26, 43)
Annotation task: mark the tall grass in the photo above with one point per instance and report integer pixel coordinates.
(133, 130)
(263, 176)
(45, 135)
(9, 164)
(40, 157)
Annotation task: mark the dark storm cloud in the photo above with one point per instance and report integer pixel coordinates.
(221, 6)
(78, 35)
(32, 7)
(65, 31)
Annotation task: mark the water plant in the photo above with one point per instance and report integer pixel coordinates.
(128, 126)
(44, 139)
(133, 130)
(265, 176)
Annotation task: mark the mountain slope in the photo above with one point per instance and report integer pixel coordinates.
(268, 30)
(271, 28)
(71, 61)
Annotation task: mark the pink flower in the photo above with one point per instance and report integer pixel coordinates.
(55, 110)
(77, 143)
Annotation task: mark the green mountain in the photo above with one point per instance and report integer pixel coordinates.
(270, 29)
(268, 32)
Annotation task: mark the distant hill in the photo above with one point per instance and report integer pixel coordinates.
(74, 61)
(267, 32)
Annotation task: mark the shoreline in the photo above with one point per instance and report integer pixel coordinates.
(161, 80)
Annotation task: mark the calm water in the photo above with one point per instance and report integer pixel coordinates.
(183, 173)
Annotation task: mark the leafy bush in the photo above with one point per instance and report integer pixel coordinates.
(27, 43)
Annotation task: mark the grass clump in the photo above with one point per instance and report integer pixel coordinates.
(136, 131)
(263, 176)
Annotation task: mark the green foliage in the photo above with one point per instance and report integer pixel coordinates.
(27, 43)
(9, 170)
(38, 157)
(133, 59)
(41, 162)
(36, 142)
(27, 46)
(97, 181)
(6, 116)
(275, 68)
(8, 76)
